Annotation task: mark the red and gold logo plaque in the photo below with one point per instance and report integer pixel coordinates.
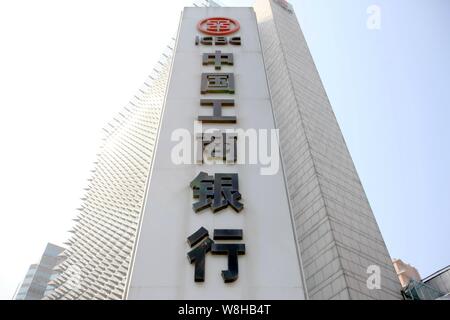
(218, 26)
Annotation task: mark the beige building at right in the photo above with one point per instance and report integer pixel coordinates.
(338, 237)
(405, 272)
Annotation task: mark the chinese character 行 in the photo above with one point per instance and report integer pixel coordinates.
(198, 254)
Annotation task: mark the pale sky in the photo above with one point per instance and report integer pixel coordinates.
(67, 67)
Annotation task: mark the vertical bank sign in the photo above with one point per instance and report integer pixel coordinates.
(216, 222)
(219, 190)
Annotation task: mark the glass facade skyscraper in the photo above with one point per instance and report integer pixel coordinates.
(98, 253)
(37, 283)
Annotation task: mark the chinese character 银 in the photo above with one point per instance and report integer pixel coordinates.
(217, 192)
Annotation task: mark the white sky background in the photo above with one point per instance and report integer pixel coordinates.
(66, 68)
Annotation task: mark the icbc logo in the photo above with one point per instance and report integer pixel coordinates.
(218, 26)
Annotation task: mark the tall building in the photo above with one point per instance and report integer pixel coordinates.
(250, 226)
(330, 239)
(37, 282)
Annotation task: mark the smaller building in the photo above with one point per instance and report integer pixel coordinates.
(405, 272)
(36, 284)
(433, 287)
(440, 280)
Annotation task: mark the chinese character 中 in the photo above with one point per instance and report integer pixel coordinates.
(218, 59)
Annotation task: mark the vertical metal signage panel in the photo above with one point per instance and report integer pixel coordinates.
(270, 268)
